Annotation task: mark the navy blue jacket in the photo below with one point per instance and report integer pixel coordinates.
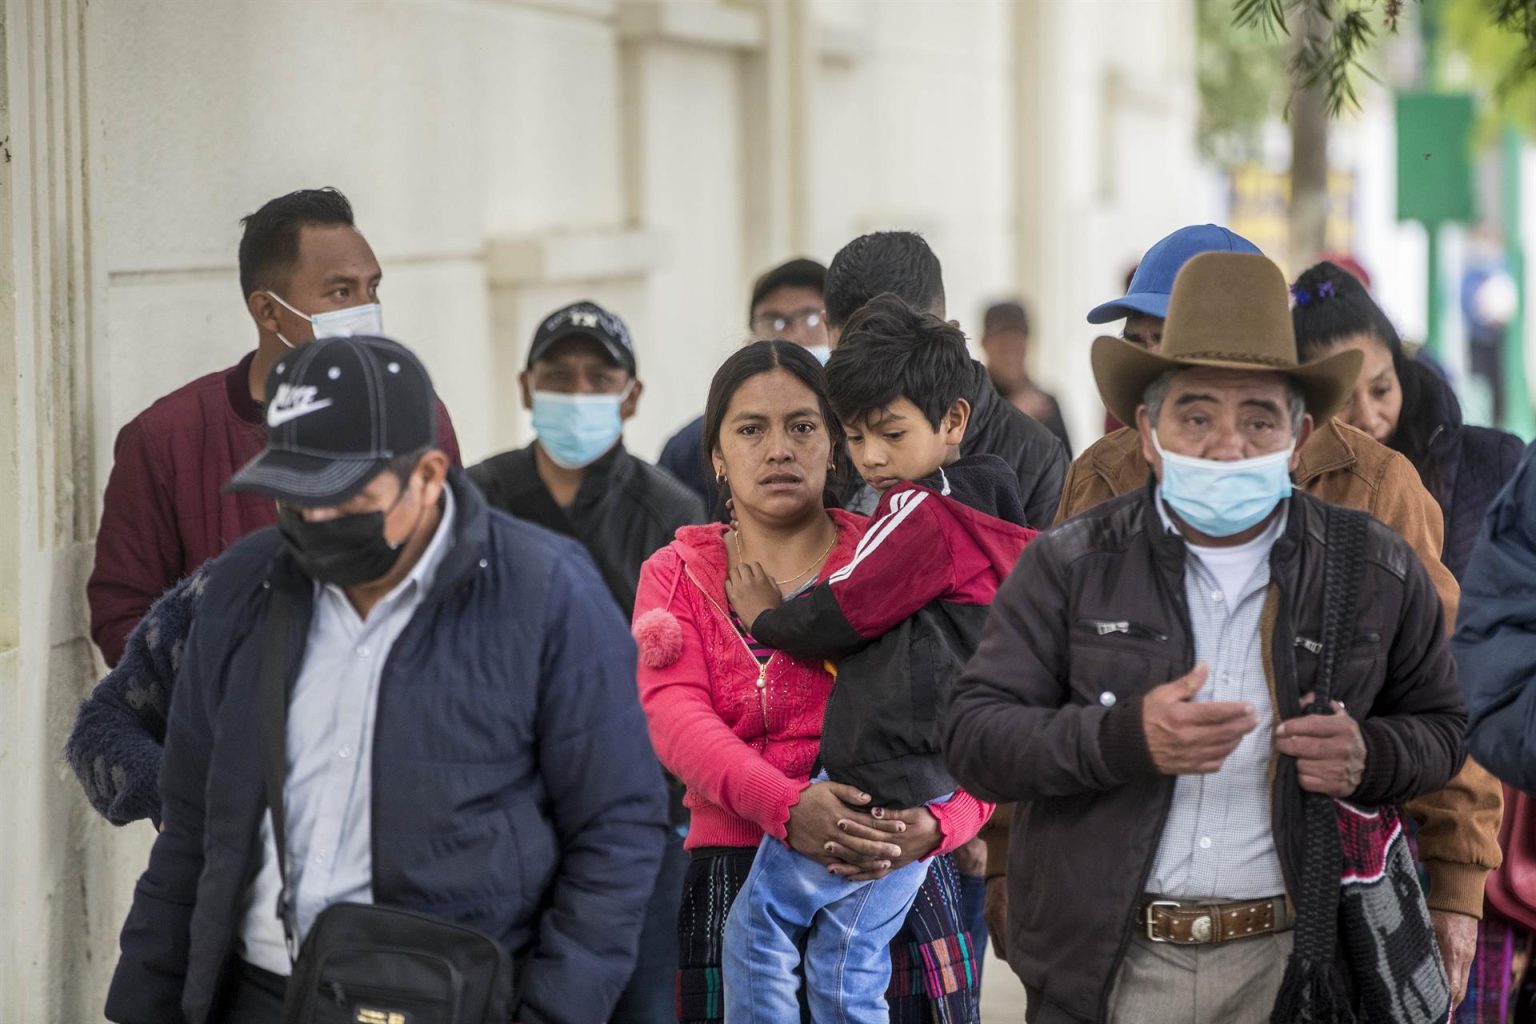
(1476, 464)
(514, 787)
(1495, 641)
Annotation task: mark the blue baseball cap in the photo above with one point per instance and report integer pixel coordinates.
(1153, 281)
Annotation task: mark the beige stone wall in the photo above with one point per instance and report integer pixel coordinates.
(504, 156)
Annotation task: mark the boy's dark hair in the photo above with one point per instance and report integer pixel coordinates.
(797, 273)
(270, 243)
(899, 262)
(889, 351)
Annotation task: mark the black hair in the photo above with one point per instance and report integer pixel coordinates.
(402, 466)
(764, 357)
(1332, 305)
(797, 273)
(271, 240)
(889, 351)
(899, 262)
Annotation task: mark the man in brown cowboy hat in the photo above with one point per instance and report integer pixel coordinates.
(1458, 825)
(1139, 683)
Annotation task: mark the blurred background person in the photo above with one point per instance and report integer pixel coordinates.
(1005, 343)
(786, 303)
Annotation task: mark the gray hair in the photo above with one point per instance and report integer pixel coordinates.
(1157, 393)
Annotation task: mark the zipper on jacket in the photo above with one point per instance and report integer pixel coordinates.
(1316, 646)
(1104, 627)
(762, 667)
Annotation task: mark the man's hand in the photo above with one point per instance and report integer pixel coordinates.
(971, 859)
(996, 914)
(1456, 935)
(1189, 738)
(1329, 750)
(752, 592)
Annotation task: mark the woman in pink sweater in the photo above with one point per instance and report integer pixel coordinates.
(740, 724)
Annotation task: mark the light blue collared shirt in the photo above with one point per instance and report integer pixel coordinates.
(329, 792)
(1218, 842)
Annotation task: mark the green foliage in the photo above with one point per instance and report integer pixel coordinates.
(1498, 40)
(1242, 79)
(1332, 55)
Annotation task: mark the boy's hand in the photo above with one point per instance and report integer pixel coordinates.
(751, 592)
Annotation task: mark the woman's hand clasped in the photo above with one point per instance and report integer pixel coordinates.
(915, 830)
(829, 826)
(826, 826)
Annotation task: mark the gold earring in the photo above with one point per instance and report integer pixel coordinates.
(720, 480)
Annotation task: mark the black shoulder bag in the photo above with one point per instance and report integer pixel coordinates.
(364, 963)
(1359, 888)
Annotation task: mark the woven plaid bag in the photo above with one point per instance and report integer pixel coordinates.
(1384, 922)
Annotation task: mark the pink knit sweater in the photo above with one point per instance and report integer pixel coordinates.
(742, 737)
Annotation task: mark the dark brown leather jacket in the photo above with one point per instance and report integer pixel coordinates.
(1033, 720)
(1458, 825)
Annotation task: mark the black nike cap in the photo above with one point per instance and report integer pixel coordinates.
(338, 410)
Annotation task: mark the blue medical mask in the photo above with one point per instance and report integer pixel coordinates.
(821, 352)
(1224, 498)
(367, 319)
(577, 430)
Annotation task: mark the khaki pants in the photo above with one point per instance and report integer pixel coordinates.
(1222, 983)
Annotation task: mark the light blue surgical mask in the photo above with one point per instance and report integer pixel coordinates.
(367, 319)
(577, 430)
(1221, 499)
(821, 352)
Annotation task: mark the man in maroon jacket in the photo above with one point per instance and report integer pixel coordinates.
(306, 272)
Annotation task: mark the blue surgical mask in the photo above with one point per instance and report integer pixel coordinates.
(577, 430)
(821, 352)
(367, 319)
(1224, 498)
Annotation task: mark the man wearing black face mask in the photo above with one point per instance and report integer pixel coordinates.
(463, 736)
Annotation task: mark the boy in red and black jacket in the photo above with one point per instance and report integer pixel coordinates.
(904, 616)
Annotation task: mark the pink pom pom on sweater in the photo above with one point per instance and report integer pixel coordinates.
(660, 638)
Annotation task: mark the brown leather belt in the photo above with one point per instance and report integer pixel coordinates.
(1190, 923)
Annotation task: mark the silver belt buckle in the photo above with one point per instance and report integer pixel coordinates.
(1151, 927)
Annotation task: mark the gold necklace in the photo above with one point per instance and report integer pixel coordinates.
(799, 575)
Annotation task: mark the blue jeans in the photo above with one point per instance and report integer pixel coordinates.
(789, 901)
(973, 915)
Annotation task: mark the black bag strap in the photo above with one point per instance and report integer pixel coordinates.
(1312, 992)
(1343, 564)
(272, 703)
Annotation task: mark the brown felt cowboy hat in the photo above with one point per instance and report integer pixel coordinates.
(1231, 311)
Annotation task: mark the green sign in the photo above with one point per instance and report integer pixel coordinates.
(1434, 157)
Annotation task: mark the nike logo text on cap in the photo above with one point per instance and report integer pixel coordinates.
(291, 402)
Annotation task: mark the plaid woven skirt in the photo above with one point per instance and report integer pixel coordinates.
(934, 977)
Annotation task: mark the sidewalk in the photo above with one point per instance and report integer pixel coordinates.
(1002, 994)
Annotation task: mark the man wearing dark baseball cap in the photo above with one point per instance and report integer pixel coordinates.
(578, 479)
(463, 737)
